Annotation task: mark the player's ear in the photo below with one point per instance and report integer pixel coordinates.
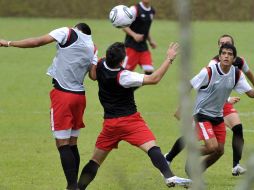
(234, 60)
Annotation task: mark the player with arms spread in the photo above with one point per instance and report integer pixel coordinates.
(73, 60)
(121, 119)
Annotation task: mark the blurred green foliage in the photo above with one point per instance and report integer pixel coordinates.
(226, 10)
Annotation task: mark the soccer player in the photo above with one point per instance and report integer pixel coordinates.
(230, 114)
(137, 36)
(73, 60)
(121, 119)
(214, 85)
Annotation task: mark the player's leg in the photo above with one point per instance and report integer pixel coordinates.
(75, 151)
(158, 160)
(67, 159)
(61, 124)
(217, 144)
(106, 141)
(210, 159)
(90, 169)
(131, 60)
(206, 133)
(77, 108)
(138, 134)
(146, 62)
(175, 150)
(234, 123)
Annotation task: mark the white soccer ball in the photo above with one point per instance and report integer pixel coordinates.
(121, 16)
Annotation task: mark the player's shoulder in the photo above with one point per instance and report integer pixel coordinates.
(240, 59)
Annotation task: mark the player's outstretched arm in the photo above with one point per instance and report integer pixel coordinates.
(157, 75)
(29, 42)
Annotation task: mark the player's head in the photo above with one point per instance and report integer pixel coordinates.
(225, 38)
(83, 27)
(146, 1)
(115, 54)
(227, 47)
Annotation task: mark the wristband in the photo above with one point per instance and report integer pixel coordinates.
(171, 60)
(8, 43)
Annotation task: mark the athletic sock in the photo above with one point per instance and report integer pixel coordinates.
(176, 149)
(237, 143)
(159, 161)
(75, 152)
(69, 166)
(88, 174)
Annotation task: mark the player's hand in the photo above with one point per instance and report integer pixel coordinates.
(233, 100)
(3, 43)
(138, 37)
(172, 51)
(153, 44)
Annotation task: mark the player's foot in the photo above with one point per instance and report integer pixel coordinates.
(238, 170)
(172, 181)
(165, 156)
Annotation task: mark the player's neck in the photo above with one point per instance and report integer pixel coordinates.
(225, 68)
(147, 5)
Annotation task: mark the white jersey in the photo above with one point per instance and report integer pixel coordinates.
(213, 91)
(72, 63)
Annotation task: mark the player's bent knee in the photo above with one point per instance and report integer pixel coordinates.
(238, 130)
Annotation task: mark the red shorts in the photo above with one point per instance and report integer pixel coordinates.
(134, 58)
(67, 110)
(228, 109)
(132, 129)
(207, 131)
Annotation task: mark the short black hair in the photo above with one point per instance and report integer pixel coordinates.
(226, 35)
(83, 27)
(115, 54)
(228, 46)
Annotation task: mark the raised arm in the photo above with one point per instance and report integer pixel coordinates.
(29, 42)
(157, 75)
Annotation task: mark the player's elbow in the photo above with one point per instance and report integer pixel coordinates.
(250, 93)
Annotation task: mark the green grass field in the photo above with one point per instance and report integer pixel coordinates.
(29, 159)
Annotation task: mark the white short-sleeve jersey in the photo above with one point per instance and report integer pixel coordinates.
(212, 93)
(60, 35)
(129, 79)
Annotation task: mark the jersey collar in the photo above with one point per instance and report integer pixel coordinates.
(105, 65)
(145, 8)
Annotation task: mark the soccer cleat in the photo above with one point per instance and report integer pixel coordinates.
(238, 170)
(172, 181)
(165, 156)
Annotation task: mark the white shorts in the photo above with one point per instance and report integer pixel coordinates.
(66, 134)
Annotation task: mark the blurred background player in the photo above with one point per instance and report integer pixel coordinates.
(137, 36)
(231, 116)
(122, 121)
(73, 60)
